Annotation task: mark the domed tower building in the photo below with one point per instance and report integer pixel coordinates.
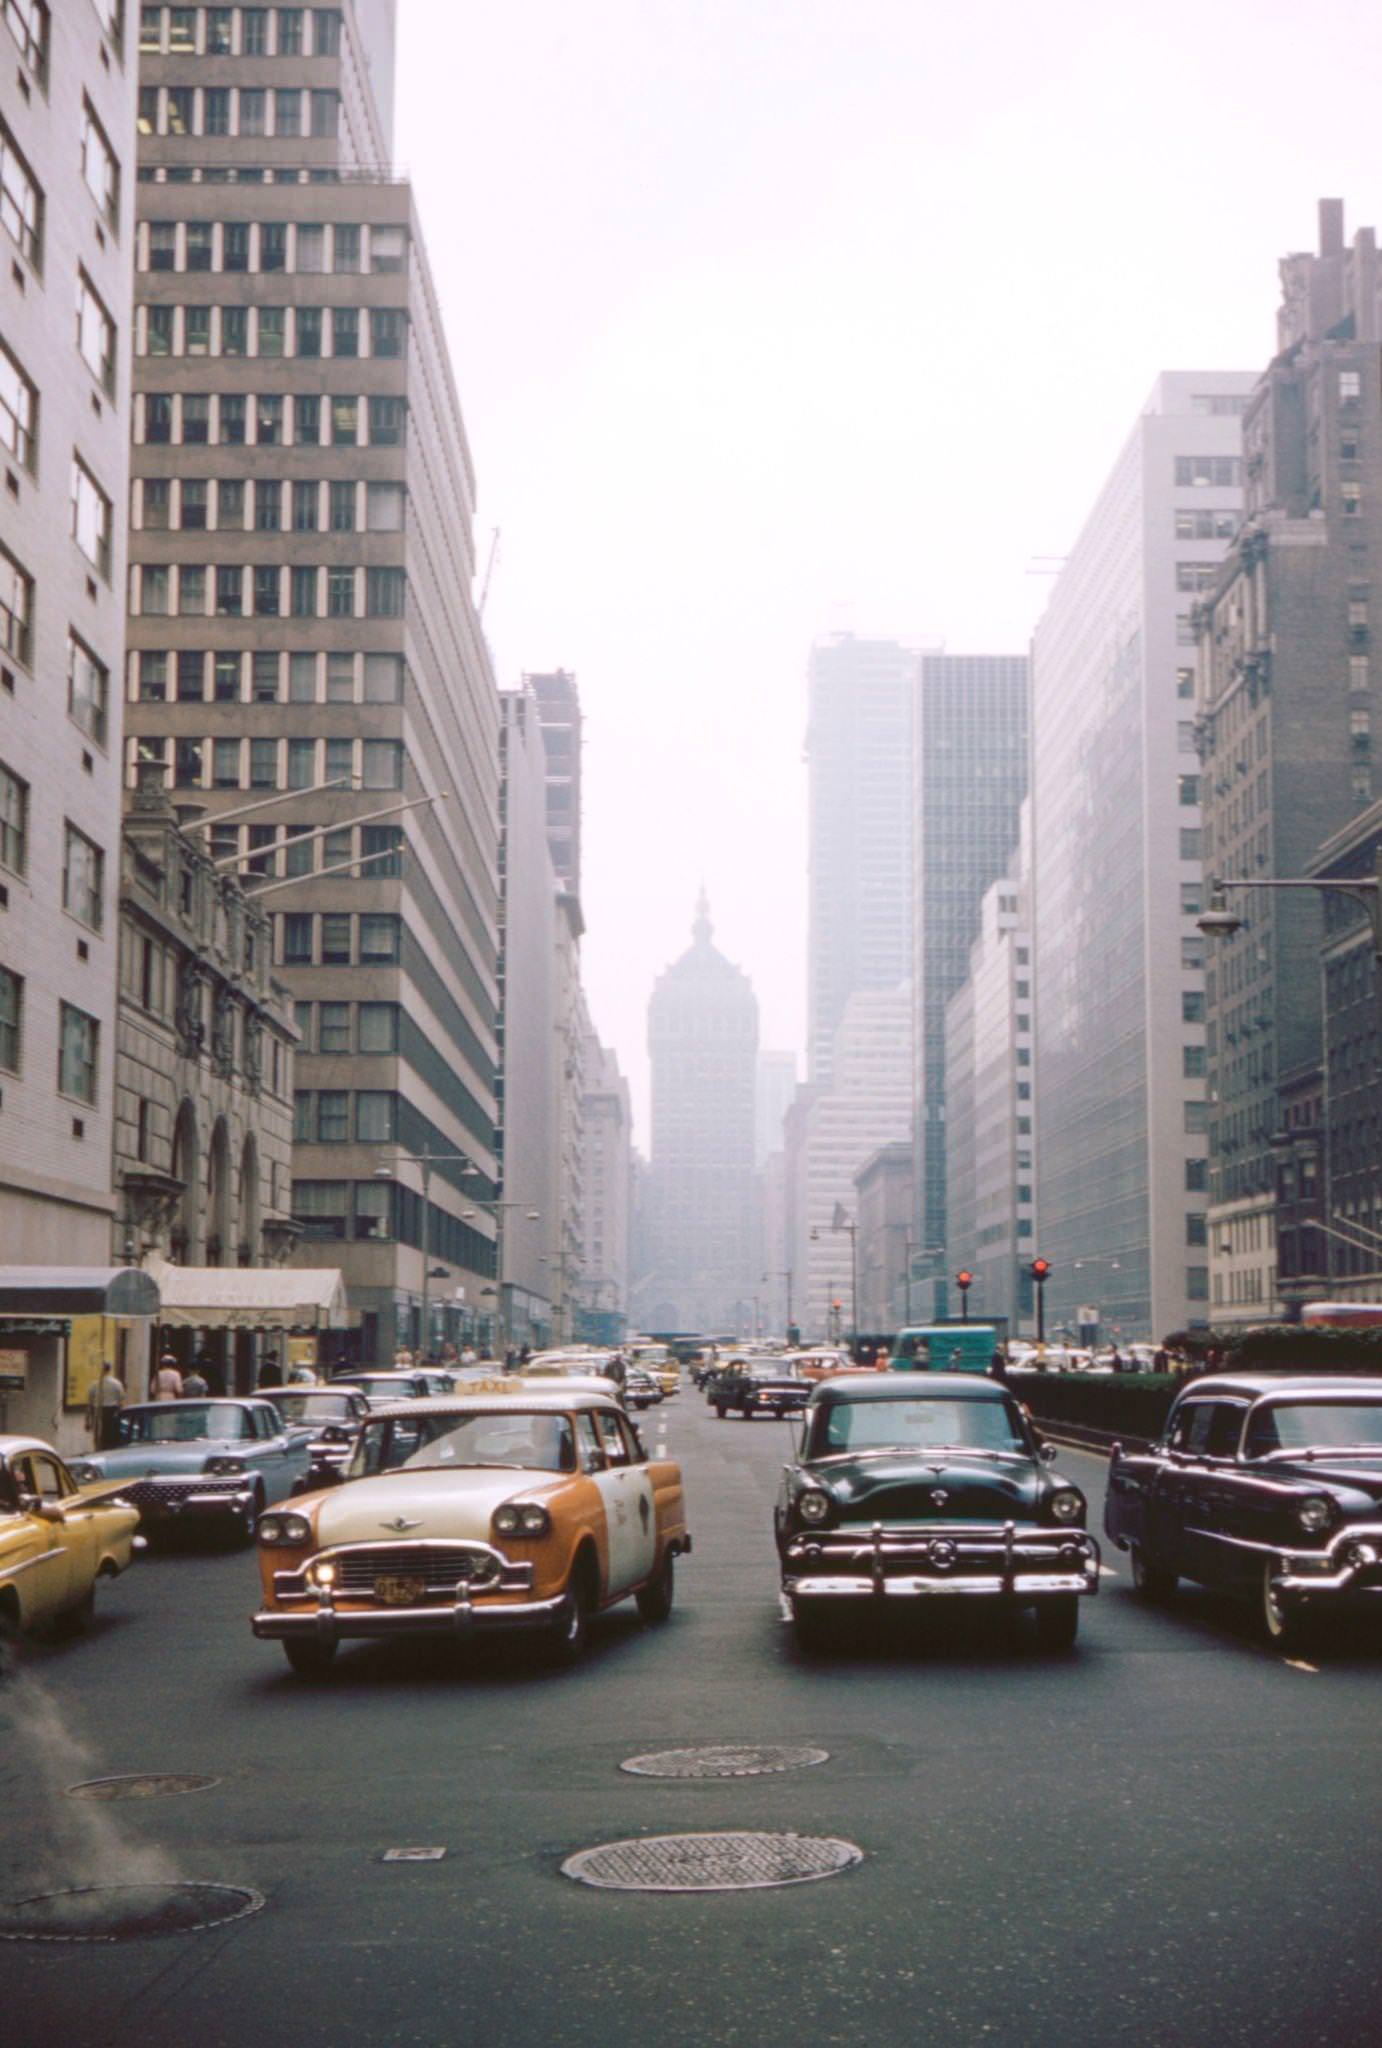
(703, 1045)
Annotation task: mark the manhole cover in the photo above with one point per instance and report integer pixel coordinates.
(125, 1912)
(141, 1785)
(724, 1761)
(711, 1863)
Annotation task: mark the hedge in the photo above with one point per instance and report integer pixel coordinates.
(1296, 1347)
(1132, 1403)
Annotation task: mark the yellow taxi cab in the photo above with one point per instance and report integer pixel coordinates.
(56, 1539)
(656, 1359)
(512, 1505)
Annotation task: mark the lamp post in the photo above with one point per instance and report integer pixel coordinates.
(425, 1161)
(786, 1274)
(497, 1209)
(840, 1221)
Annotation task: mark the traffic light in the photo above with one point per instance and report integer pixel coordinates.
(964, 1280)
(1041, 1269)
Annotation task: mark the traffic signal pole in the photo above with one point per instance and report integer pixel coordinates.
(1040, 1270)
(964, 1280)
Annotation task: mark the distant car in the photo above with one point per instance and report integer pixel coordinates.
(825, 1364)
(916, 1486)
(217, 1462)
(1264, 1485)
(409, 1383)
(525, 1508)
(329, 1418)
(57, 1538)
(641, 1390)
(760, 1386)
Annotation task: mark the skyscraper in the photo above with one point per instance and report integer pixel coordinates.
(1289, 708)
(703, 1043)
(969, 754)
(67, 89)
(1120, 1063)
(302, 619)
(559, 711)
(858, 751)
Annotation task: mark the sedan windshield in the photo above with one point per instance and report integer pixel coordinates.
(917, 1426)
(438, 1443)
(1315, 1425)
(311, 1407)
(185, 1422)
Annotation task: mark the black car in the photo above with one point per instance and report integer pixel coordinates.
(759, 1387)
(330, 1417)
(1263, 1485)
(913, 1486)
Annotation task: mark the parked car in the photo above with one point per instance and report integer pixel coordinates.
(529, 1509)
(760, 1386)
(217, 1462)
(57, 1538)
(400, 1384)
(1267, 1486)
(913, 1486)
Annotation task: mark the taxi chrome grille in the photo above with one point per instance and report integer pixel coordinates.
(440, 1566)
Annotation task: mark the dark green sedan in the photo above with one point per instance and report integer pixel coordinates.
(911, 1487)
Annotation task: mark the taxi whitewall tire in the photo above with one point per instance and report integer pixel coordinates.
(570, 1636)
(654, 1601)
(1284, 1627)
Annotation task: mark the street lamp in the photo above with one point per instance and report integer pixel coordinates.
(498, 1208)
(425, 1161)
(1219, 922)
(840, 1221)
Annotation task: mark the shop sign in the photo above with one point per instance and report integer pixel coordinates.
(14, 1369)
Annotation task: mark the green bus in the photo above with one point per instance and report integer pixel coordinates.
(944, 1347)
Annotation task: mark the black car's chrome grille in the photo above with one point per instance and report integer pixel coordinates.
(152, 1493)
(440, 1566)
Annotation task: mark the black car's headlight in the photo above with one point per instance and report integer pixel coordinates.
(814, 1507)
(1314, 1514)
(518, 1518)
(223, 1467)
(284, 1529)
(1067, 1505)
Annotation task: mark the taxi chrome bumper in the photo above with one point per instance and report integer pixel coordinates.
(1004, 1561)
(439, 1588)
(326, 1623)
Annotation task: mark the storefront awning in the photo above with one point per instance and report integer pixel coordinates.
(251, 1297)
(77, 1291)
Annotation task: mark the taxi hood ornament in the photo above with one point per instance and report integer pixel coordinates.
(400, 1523)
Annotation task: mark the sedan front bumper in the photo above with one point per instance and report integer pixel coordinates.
(170, 1500)
(458, 1618)
(1007, 1561)
(1349, 1566)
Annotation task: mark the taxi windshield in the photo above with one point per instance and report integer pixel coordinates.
(1315, 1425)
(185, 1422)
(917, 1426)
(440, 1443)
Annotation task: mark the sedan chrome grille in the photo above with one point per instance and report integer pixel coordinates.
(149, 1493)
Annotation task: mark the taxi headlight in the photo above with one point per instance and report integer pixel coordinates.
(225, 1466)
(1314, 1514)
(1066, 1505)
(521, 1519)
(814, 1508)
(284, 1529)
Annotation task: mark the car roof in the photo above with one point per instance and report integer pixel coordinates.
(525, 1401)
(11, 1446)
(911, 1386)
(1253, 1386)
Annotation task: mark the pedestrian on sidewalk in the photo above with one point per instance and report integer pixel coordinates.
(106, 1400)
(165, 1382)
(195, 1385)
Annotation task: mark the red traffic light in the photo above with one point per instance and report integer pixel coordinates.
(834, 1304)
(964, 1279)
(1040, 1268)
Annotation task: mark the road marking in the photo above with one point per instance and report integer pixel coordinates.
(1106, 1571)
(1299, 1664)
(412, 1856)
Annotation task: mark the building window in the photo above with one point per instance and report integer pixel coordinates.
(229, 591)
(1350, 385)
(307, 421)
(302, 678)
(1221, 471)
(340, 678)
(383, 678)
(379, 940)
(1351, 497)
(88, 690)
(1196, 1228)
(1194, 576)
(376, 1116)
(268, 503)
(192, 508)
(1196, 1176)
(304, 508)
(340, 593)
(196, 330)
(27, 22)
(1192, 1005)
(1358, 676)
(345, 329)
(378, 1027)
(16, 608)
(253, 111)
(264, 677)
(288, 111)
(178, 110)
(1185, 683)
(78, 1043)
(303, 591)
(100, 168)
(382, 766)
(290, 32)
(384, 508)
(14, 821)
(21, 201)
(196, 419)
(273, 248)
(11, 1018)
(18, 411)
(95, 334)
(225, 764)
(268, 420)
(232, 421)
(1192, 952)
(334, 1028)
(388, 249)
(153, 676)
(1188, 787)
(302, 756)
(1192, 1061)
(333, 1116)
(1190, 899)
(345, 415)
(341, 507)
(297, 938)
(1190, 842)
(1197, 1283)
(311, 248)
(225, 677)
(273, 327)
(385, 590)
(320, 1207)
(216, 112)
(263, 764)
(335, 949)
(386, 422)
(91, 518)
(187, 764)
(386, 331)
(309, 331)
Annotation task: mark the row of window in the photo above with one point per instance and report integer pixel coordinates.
(83, 862)
(337, 332)
(338, 938)
(22, 202)
(340, 1028)
(275, 763)
(291, 852)
(378, 1209)
(267, 591)
(238, 110)
(28, 22)
(232, 676)
(79, 1040)
(1199, 524)
(236, 420)
(342, 1116)
(166, 504)
(270, 245)
(19, 394)
(1221, 471)
(240, 31)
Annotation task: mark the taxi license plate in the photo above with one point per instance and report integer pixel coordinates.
(398, 1591)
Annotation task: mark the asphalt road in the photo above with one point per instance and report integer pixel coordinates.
(1168, 1836)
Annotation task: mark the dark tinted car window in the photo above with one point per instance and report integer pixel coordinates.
(1225, 1429)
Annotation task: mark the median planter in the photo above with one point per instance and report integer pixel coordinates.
(1132, 1404)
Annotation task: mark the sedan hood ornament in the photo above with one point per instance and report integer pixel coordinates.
(400, 1523)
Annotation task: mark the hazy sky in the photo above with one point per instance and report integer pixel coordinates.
(776, 317)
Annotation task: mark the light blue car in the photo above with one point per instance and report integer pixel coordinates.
(217, 1462)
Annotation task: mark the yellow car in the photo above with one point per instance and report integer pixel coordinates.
(56, 1539)
(525, 1509)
